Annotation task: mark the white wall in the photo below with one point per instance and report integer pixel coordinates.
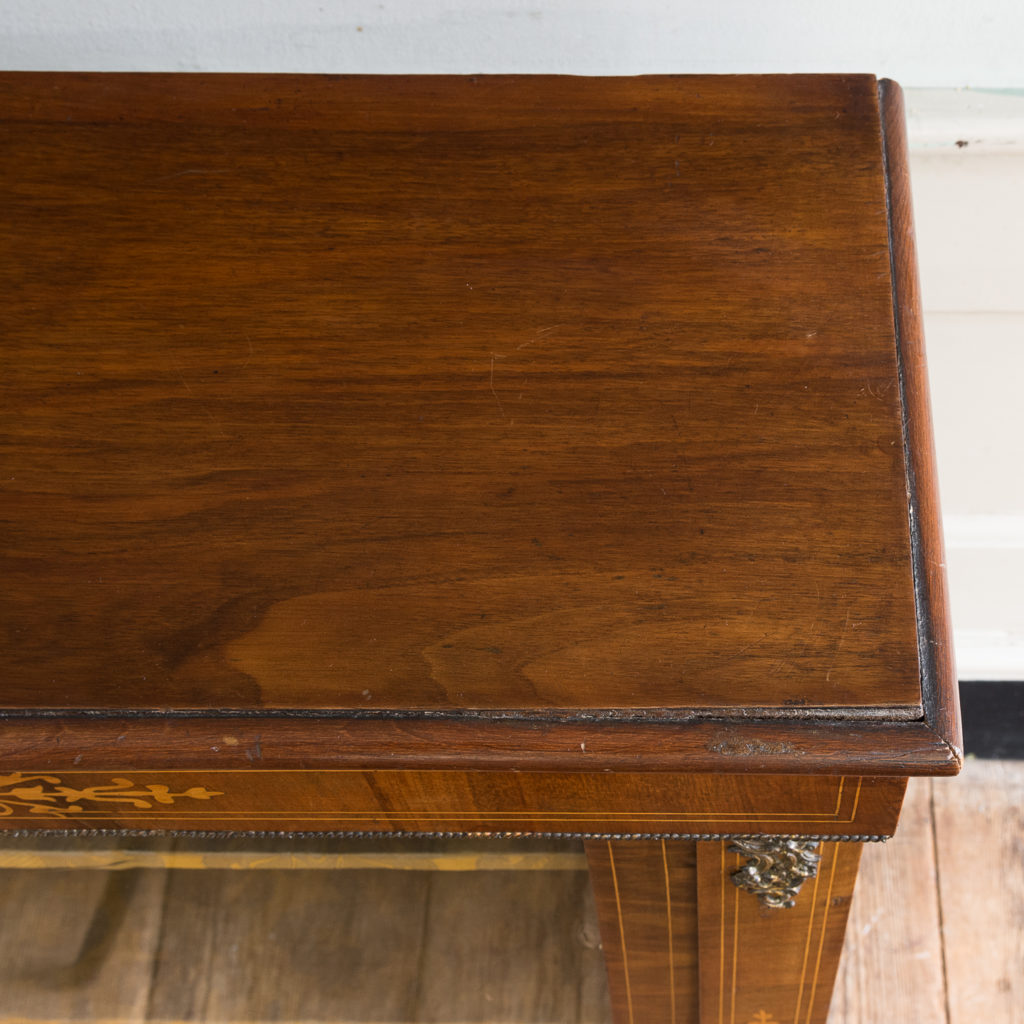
(969, 206)
(918, 42)
(969, 199)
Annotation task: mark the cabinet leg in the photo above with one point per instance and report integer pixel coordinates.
(646, 902)
(762, 963)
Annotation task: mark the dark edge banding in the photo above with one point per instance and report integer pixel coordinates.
(935, 642)
(669, 716)
(131, 833)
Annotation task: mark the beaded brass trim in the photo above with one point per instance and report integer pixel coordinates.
(176, 833)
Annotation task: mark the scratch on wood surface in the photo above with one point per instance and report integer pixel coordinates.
(255, 752)
(539, 334)
(838, 646)
(878, 391)
(501, 408)
(751, 748)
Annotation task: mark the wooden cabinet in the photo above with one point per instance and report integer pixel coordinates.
(506, 455)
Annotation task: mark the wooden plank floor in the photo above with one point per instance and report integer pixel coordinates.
(936, 932)
(936, 935)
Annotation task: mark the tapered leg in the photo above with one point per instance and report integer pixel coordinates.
(762, 964)
(646, 901)
(758, 962)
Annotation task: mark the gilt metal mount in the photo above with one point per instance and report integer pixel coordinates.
(776, 868)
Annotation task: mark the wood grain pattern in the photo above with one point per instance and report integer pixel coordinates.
(646, 897)
(520, 803)
(938, 666)
(52, 964)
(217, 946)
(891, 970)
(533, 960)
(451, 393)
(110, 858)
(319, 927)
(500, 455)
(736, 746)
(760, 965)
(979, 834)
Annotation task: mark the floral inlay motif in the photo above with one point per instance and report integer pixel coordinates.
(49, 796)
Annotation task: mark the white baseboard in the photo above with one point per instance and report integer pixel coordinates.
(971, 120)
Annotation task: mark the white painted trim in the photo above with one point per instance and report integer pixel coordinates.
(989, 654)
(967, 120)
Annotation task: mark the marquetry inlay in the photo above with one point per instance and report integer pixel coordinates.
(49, 796)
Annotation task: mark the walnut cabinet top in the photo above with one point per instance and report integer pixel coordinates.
(542, 409)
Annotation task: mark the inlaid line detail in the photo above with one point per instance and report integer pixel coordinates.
(622, 932)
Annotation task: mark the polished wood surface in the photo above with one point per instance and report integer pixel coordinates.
(659, 902)
(739, 745)
(518, 803)
(452, 394)
(765, 965)
(494, 455)
(935, 629)
(646, 897)
(892, 969)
